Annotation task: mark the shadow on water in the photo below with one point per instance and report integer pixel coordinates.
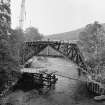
(27, 83)
(81, 92)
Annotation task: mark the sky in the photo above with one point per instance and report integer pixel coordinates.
(58, 16)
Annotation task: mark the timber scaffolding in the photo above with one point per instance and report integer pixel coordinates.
(69, 51)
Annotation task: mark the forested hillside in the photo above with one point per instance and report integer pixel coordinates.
(71, 35)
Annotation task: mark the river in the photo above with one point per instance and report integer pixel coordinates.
(66, 92)
(62, 66)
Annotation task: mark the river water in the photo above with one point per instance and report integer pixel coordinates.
(66, 92)
(62, 66)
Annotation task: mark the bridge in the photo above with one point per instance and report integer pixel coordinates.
(67, 49)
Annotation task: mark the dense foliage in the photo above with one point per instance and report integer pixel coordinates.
(32, 34)
(9, 56)
(10, 44)
(5, 16)
(92, 44)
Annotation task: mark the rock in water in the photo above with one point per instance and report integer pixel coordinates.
(99, 98)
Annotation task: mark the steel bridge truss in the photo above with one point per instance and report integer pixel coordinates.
(67, 49)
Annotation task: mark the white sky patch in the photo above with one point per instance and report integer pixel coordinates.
(57, 16)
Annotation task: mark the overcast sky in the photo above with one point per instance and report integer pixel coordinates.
(57, 16)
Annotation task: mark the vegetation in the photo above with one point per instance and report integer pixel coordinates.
(10, 41)
(92, 44)
(5, 19)
(10, 54)
(16, 40)
(32, 34)
(69, 36)
(9, 57)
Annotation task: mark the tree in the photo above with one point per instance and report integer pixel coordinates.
(5, 17)
(16, 41)
(8, 61)
(10, 57)
(92, 44)
(32, 34)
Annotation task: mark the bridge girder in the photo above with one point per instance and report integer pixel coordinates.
(69, 50)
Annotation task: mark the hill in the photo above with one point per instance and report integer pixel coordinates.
(71, 35)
